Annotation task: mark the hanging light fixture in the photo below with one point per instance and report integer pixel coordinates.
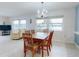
(43, 12)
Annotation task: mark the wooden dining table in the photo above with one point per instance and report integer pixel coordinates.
(40, 35)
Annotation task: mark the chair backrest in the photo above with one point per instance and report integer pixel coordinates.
(32, 31)
(47, 41)
(51, 34)
(45, 30)
(27, 37)
(27, 31)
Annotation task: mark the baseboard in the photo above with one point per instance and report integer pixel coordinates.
(64, 41)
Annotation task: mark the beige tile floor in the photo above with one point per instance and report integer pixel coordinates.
(14, 48)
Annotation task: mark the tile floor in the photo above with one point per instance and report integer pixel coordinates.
(14, 48)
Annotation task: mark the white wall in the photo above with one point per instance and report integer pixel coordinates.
(67, 35)
(5, 19)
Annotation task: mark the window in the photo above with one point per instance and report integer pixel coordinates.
(22, 24)
(19, 24)
(56, 24)
(40, 24)
(15, 25)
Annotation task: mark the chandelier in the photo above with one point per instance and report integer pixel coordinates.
(42, 13)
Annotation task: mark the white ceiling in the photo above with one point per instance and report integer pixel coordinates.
(17, 9)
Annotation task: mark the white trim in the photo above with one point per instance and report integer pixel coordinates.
(74, 42)
(63, 41)
(76, 33)
(76, 45)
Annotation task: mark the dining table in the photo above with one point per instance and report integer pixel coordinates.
(40, 35)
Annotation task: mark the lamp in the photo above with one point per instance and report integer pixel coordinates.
(42, 13)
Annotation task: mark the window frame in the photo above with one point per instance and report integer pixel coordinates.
(45, 24)
(47, 21)
(56, 23)
(18, 25)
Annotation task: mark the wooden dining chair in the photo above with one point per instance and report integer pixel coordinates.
(25, 38)
(51, 37)
(45, 44)
(30, 46)
(45, 30)
(27, 31)
(32, 31)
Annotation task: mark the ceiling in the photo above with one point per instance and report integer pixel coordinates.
(18, 9)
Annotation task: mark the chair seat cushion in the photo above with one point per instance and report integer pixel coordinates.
(33, 46)
(45, 43)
